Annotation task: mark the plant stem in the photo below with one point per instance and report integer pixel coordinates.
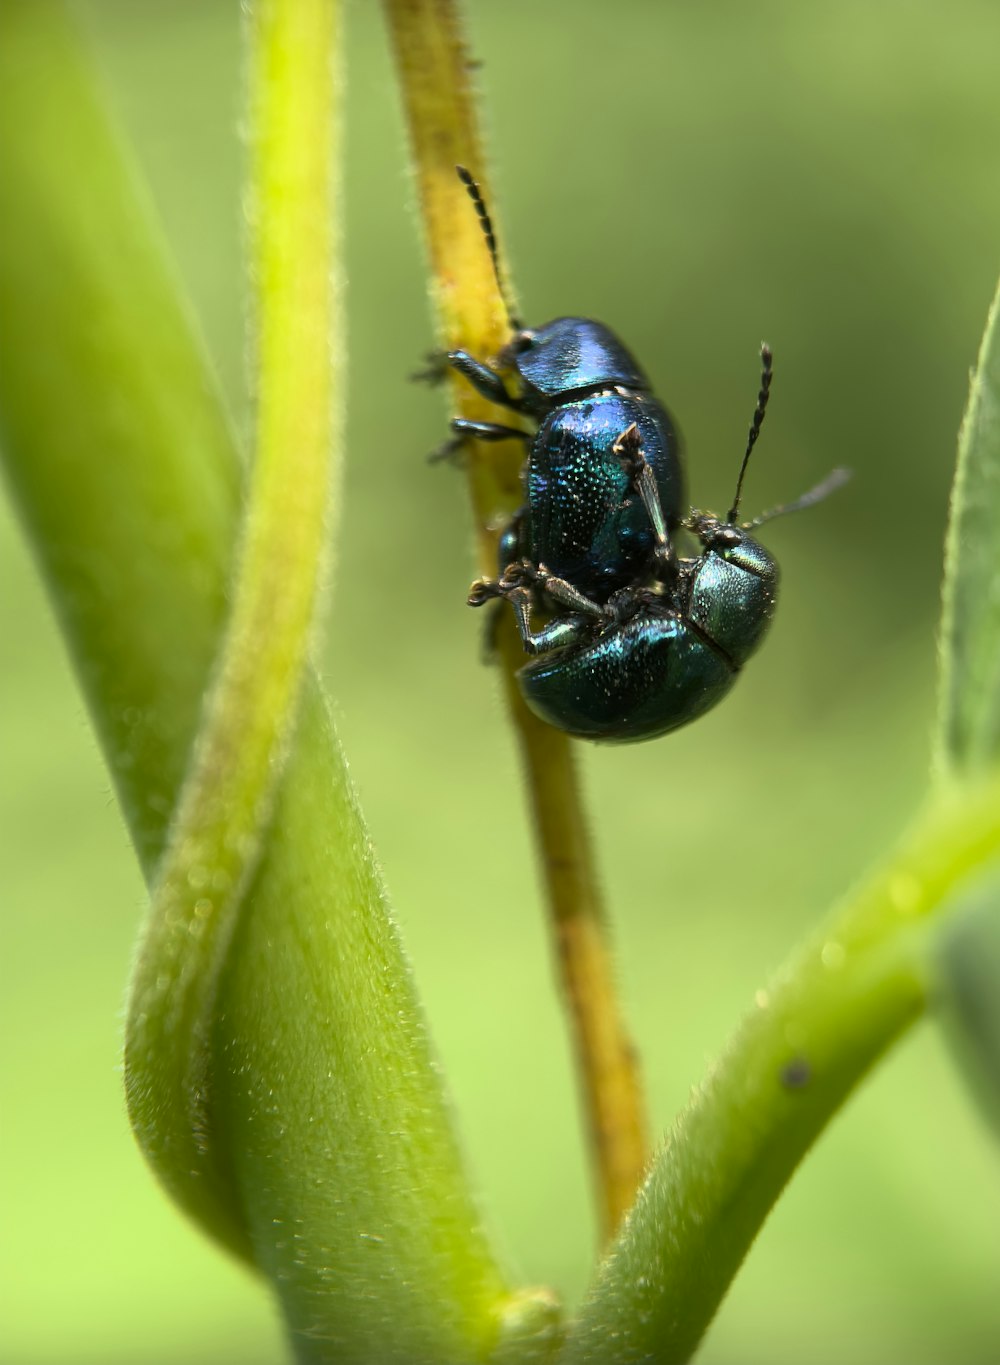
(606, 1059)
(433, 67)
(249, 712)
(325, 1095)
(827, 1016)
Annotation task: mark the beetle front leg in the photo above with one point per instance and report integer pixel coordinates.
(628, 448)
(564, 630)
(513, 587)
(559, 590)
(508, 553)
(467, 430)
(482, 378)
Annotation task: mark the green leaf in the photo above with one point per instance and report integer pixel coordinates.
(969, 719)
(968, 980)
(117, 446)
(336, 1167)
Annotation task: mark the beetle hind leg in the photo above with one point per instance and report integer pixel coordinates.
(466, 430)
(517, 587)
(562, 631)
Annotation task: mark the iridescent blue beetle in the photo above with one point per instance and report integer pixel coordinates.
(639, 642)
(585, 515)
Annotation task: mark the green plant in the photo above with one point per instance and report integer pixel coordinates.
(134, 465)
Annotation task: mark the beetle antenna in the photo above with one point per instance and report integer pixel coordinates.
(834, 480)
(755, 425)
(486, 223)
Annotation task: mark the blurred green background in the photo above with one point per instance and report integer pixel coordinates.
(700, 177)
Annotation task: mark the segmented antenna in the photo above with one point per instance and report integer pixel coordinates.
(486, 223)
(755, 426)
(834, 480)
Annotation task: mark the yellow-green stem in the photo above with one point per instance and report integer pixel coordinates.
(433, 67)
(249, 712)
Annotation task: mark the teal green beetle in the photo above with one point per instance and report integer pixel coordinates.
(655, 660)
(662, 651)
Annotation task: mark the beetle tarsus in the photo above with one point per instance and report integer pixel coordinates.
(435, 369)
(485, 590)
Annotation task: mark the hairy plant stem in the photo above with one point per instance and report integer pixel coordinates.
(246, 726)
(828, 1015)
(433, 67)
(337, 1171)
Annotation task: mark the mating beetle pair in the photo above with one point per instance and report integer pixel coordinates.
(640, 641)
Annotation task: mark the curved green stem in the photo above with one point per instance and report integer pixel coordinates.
(249, 712)
(814, 1033)
(325, 1098)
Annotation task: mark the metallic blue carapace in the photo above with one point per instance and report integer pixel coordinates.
(584, 519)
(570, 356)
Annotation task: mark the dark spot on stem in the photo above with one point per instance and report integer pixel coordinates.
(796, 1074)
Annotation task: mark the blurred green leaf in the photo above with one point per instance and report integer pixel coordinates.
(969, 720)
(969, 945)
(322, 1096)
(969, 986)
(117, 447)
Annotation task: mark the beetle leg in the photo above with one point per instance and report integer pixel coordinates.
(485, 590)
(488, 431)
(521, 574)
(482, 378)
(628, 448)
(564, 630)
(512, 573)
(558, 589)
(467, 430)
(482, 591)
(435, 369)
